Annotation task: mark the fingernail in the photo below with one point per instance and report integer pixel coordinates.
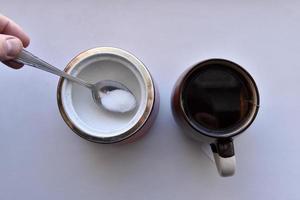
(12, 47)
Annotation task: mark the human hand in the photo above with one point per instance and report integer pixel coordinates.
(12, 40)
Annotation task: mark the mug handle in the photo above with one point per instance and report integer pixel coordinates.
(223, 151)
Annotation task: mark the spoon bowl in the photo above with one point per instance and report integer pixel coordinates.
(101, 88)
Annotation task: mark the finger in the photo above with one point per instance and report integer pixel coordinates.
(9, 27)
(13, 64)
(10, 47)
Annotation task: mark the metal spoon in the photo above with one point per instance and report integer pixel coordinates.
(98, 89)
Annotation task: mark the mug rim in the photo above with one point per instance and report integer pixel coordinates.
(148, 83)
(236, 129)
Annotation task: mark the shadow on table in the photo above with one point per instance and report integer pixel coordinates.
(164, 150)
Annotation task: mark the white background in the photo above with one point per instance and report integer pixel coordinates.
(40, 156)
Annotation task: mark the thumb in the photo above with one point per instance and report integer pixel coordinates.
(10, 46)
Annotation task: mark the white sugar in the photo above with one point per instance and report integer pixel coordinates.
(118, 101)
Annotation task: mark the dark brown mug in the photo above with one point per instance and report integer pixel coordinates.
(214, 101)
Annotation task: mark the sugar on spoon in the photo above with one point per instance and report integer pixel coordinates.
(110, 95)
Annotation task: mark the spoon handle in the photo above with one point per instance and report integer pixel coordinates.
(27, 58)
